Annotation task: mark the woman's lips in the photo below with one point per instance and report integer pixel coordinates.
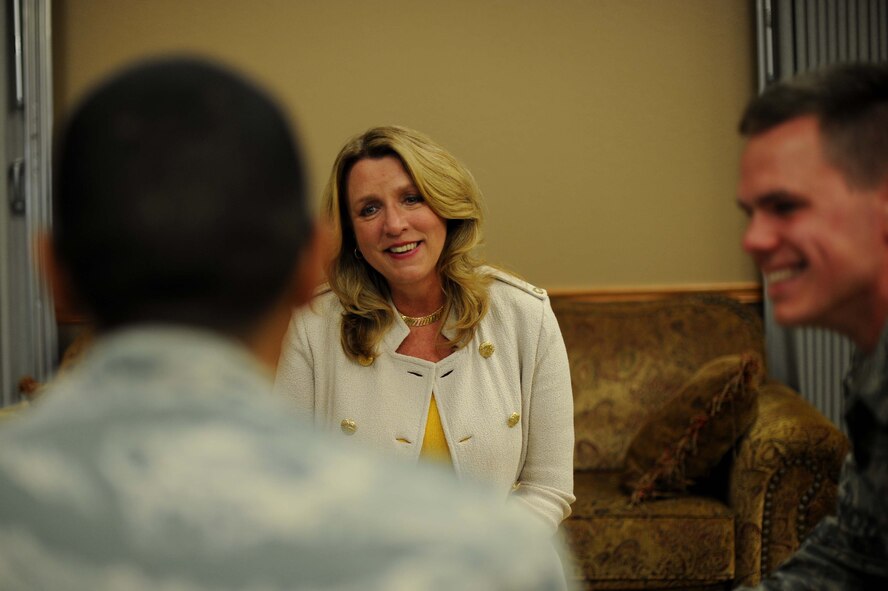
(405, 249)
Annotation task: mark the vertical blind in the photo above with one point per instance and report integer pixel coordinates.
(27, 321)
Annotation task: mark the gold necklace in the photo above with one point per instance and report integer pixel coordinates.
(422, 320)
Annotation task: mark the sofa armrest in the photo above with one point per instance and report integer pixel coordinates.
(783, 480)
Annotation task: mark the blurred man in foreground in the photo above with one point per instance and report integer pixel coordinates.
(162, 461)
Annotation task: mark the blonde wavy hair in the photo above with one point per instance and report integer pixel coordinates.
(451, 192)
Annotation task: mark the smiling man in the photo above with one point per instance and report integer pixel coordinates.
(814, 182)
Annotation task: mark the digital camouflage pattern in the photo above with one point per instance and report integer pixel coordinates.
(162, 462)
(850, 550)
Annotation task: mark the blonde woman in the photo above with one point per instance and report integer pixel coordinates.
(416, 348)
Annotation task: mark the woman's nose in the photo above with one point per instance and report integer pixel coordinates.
(395, 221)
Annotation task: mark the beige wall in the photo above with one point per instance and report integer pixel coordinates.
(601, 131)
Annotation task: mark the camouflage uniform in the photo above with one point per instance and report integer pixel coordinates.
(850, 550)
(163, 462)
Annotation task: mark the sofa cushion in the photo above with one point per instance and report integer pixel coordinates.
(688, 435)
(626, 357)
(683, 541)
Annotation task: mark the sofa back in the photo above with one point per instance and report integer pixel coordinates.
(626, 357)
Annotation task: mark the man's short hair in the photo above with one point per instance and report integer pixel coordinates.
(179, 198)
(850, 101)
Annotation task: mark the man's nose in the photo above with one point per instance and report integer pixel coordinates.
(760, 236)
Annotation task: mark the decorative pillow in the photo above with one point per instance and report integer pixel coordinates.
(694, 428)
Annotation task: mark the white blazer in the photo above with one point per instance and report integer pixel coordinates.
(506, 409)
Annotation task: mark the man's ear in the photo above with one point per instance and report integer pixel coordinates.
(310, 268)
(56, 277)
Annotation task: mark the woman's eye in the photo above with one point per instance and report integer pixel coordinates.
(413, 199)
(368, 210)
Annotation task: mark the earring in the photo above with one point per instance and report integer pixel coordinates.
(358, 254)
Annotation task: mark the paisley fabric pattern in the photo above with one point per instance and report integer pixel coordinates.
(683, 440)
(687, 540)
(755, 508)
(626, 358)
(783, 480)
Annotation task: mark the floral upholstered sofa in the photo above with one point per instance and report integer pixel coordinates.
(744, 512)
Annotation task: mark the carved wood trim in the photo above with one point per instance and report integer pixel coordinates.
(745, 293)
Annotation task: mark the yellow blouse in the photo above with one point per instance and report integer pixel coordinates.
(434, 444)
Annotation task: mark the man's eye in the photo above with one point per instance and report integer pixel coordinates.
(784, 207)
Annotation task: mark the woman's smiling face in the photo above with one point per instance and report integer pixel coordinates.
(396, 231)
